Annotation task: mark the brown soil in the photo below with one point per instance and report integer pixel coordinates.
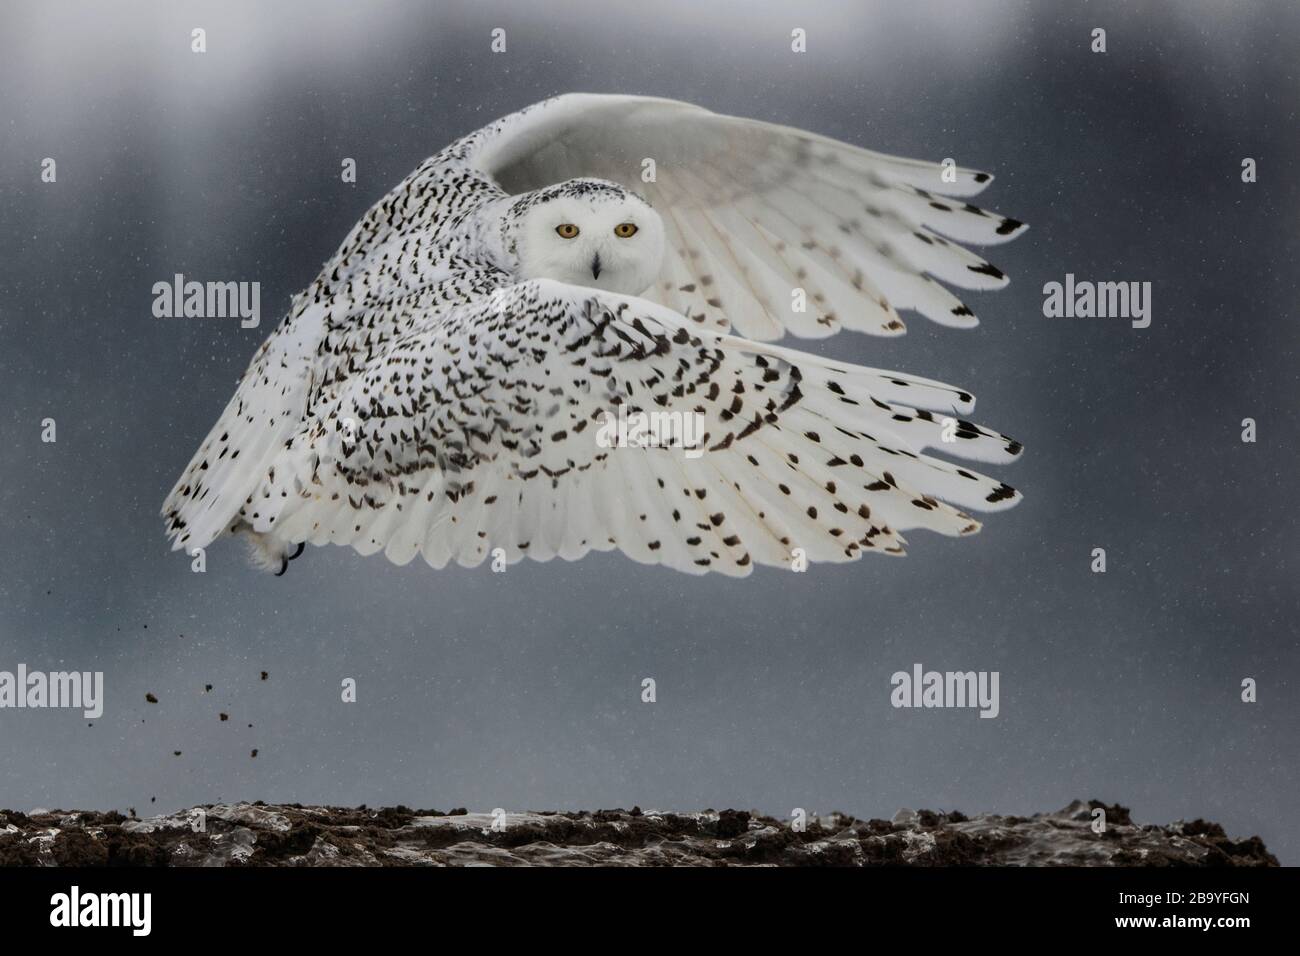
(258, 834)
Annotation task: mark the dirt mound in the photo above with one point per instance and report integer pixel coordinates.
(257, 834)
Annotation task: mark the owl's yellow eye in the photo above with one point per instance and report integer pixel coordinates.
(566, 230)
(625, 230)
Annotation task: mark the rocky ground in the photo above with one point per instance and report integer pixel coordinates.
(260, 834)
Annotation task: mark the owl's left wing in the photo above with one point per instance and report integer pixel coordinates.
(493, 430)
(759, 216)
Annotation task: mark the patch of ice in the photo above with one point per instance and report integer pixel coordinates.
(254, 816)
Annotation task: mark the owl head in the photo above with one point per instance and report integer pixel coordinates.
(588, 232)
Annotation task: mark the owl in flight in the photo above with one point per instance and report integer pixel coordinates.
(447, 385)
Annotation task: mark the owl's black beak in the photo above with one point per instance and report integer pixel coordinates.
(595, 266)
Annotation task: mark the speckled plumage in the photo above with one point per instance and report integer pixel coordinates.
(424, 396)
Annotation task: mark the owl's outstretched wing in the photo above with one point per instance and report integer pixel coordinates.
(755, 212)
(492, 431)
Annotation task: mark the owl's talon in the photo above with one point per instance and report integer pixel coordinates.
(301, 545)
(284, 566)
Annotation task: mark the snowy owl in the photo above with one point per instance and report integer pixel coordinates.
(447, 385)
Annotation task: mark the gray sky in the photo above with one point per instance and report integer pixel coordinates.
(522, 690)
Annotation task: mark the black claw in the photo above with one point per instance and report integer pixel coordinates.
(284, 566)
(301, 545)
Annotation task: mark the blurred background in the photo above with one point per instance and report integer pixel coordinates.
(522, 690)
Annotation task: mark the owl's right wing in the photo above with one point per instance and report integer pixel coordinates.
(484, 432)
(758, 215)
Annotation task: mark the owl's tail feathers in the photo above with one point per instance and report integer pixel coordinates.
(238, 452)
